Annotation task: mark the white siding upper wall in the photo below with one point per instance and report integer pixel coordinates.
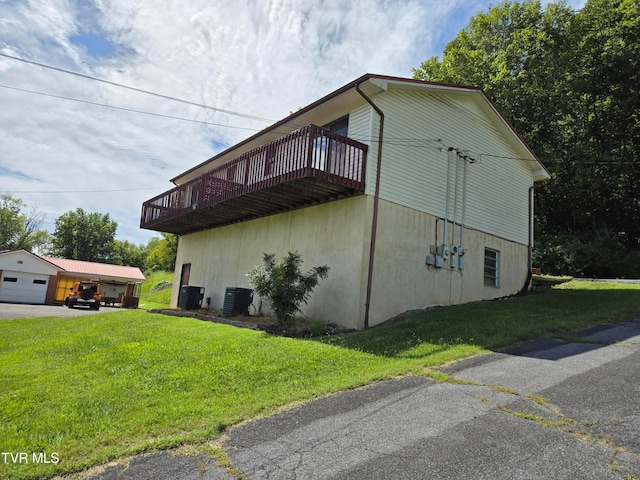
(360, 125)
(418, 130)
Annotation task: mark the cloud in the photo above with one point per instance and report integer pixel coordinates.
(262, 58)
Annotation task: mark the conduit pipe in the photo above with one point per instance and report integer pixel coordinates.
(374, 221)
(464, 207)
(455, 207)
(446, 213)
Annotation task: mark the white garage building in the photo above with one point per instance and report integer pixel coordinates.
(28, 278)
(25, 277)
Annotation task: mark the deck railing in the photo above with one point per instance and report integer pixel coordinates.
(308, 152)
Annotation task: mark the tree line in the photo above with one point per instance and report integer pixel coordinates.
(568, 82)
(80, 235)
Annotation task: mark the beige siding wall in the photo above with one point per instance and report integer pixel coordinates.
(338, 234)
(332, 234)
(402, 280)
(419, 128)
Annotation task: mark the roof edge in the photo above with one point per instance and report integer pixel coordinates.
(545, 174)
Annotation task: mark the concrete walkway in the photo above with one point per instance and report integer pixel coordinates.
(554, 408)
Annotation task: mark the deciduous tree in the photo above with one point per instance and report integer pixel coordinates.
(161, 253)
(19, 230)
(127, 253)
(568, 82)
(80, 235)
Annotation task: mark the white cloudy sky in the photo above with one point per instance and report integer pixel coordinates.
(259, 58)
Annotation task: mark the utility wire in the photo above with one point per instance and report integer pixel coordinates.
(88, 191)
(124, 108)
(398, 140)
(408, 142)
(403, 141)
(135, 89)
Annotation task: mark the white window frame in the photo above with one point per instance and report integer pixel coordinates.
(491, 267)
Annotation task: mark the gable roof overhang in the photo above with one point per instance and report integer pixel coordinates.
(99, 271)
(22, 256)
(343, 100)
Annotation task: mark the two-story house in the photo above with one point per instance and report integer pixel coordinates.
(415, 194)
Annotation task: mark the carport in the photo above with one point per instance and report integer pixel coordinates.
(120, 284)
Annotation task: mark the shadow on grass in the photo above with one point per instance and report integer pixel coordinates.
(493, 324)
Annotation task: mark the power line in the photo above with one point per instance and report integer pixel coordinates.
(423, 143)
(410, 142)
(124, 108)
(402, 141)
(88, 191)
(135, 89)
(407, 142)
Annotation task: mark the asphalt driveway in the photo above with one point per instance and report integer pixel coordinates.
(20, 310)
(564, 408)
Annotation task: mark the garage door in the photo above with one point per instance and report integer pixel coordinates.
(21, 287)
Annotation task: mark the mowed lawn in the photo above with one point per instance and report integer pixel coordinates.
(90, 389)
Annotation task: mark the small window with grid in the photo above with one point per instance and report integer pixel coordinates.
(491, 267)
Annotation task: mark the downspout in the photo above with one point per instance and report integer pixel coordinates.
(374, 221)
(525, 287)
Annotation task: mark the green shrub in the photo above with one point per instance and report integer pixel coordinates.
(284, 284)
(161, 286)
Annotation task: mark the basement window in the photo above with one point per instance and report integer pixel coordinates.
(491, 267)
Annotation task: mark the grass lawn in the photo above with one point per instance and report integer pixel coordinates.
(97, 387)
(158, 299)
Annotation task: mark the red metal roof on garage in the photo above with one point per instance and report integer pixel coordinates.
(94, 269)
